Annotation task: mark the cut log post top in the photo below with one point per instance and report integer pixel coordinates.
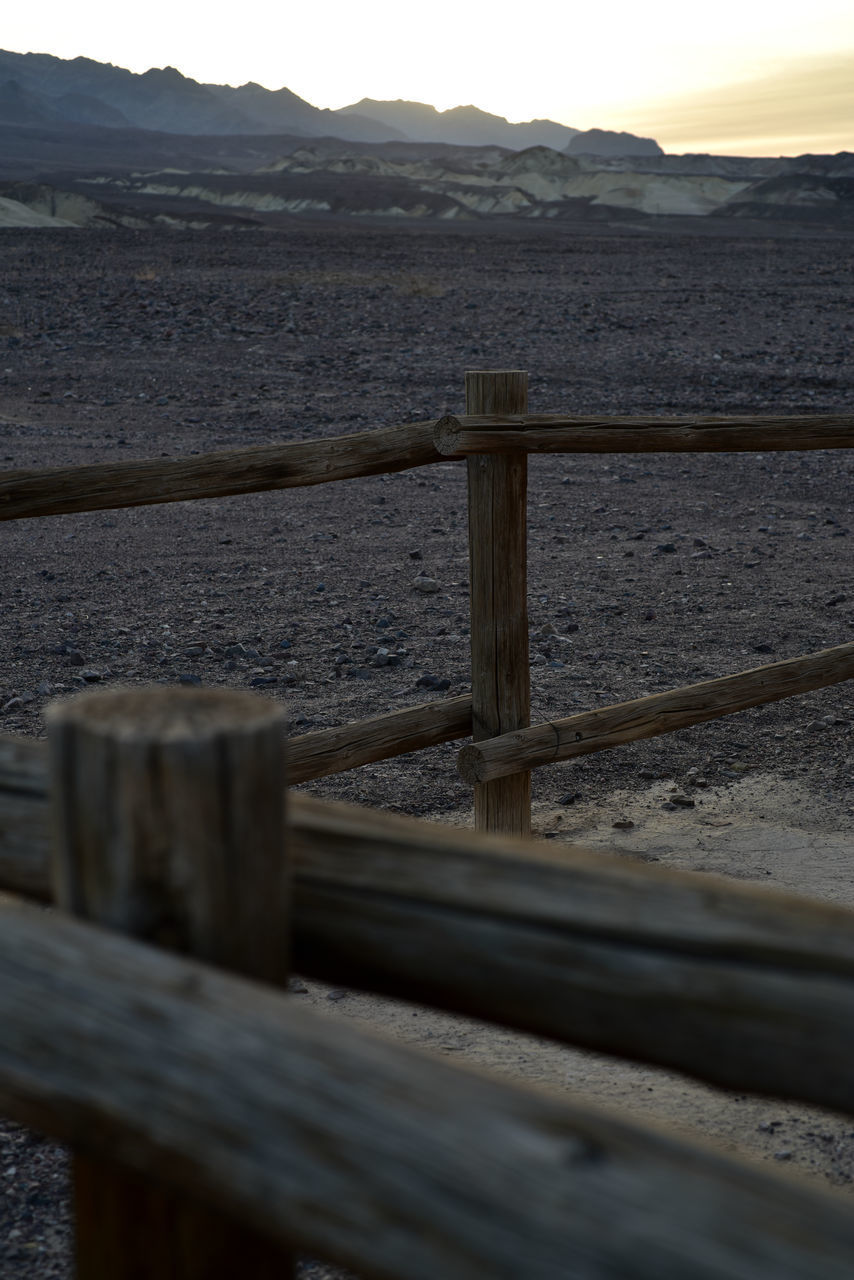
(488, 432)
(170, 826)
(169, 815)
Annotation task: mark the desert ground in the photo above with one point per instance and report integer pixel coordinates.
(646, 572)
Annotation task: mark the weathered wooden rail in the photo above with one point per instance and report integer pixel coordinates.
(558, 941)
(654, 715)
(217, 1126)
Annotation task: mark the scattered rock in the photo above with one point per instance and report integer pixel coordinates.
(427, 681)
(623, 824)
(427, 586)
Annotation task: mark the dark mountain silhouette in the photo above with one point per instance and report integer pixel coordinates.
(163, 100)
(607, 142)
(463, 126)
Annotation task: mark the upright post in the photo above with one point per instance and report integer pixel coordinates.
(169, 810)
(498, 552)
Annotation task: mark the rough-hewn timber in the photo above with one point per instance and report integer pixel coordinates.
(498, 566)
(562, 433)
(325, 751)
(655, 714)
(740, 986)
(60, 490)
(170, 828)
(366, 1152)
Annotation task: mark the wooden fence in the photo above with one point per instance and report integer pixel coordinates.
(494, 437)
(216, 1127)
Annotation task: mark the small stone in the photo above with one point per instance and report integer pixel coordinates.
(838, 599)
(297, 988)
(623, 824)
(415, 555)
(194, 650)
(427, 586)
(782, 1155)
(570, 797)
(285, 644)
(12, 705)
(258, 682)
(91, 677)
(684, 802)
(666, 548)
(816, 726)
(763, 648)
(669, 807)
(75, 658)
(649, 774)
(337, 994)
(426, 681)
(188, 677)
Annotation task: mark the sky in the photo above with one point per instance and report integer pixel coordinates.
(739, 77)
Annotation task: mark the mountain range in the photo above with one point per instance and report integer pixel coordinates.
(84, 143)
(38, 89)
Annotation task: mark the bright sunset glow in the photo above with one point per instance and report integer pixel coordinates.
(742, 77)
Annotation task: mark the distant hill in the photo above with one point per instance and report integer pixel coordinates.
(607, 142)
(462, 126)
(265, 180)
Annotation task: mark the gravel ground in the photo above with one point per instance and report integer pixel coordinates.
(645, 573)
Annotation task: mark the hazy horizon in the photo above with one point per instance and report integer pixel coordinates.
(732, 85)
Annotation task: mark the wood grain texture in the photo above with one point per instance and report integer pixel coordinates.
(740, 986)
(169, 826)
(498, 567)
(24, 818)
(326, 751)
(367, 1152)
(60, 490)
(489, 432)
(653, 715)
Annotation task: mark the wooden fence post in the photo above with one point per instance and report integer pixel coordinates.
(169, 816)
(500, 677)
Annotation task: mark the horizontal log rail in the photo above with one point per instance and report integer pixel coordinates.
(368, 1153)
(738, 986)
(653, 715)
(327, 751)
(562, 433)
(61, 490)
(103, 486)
